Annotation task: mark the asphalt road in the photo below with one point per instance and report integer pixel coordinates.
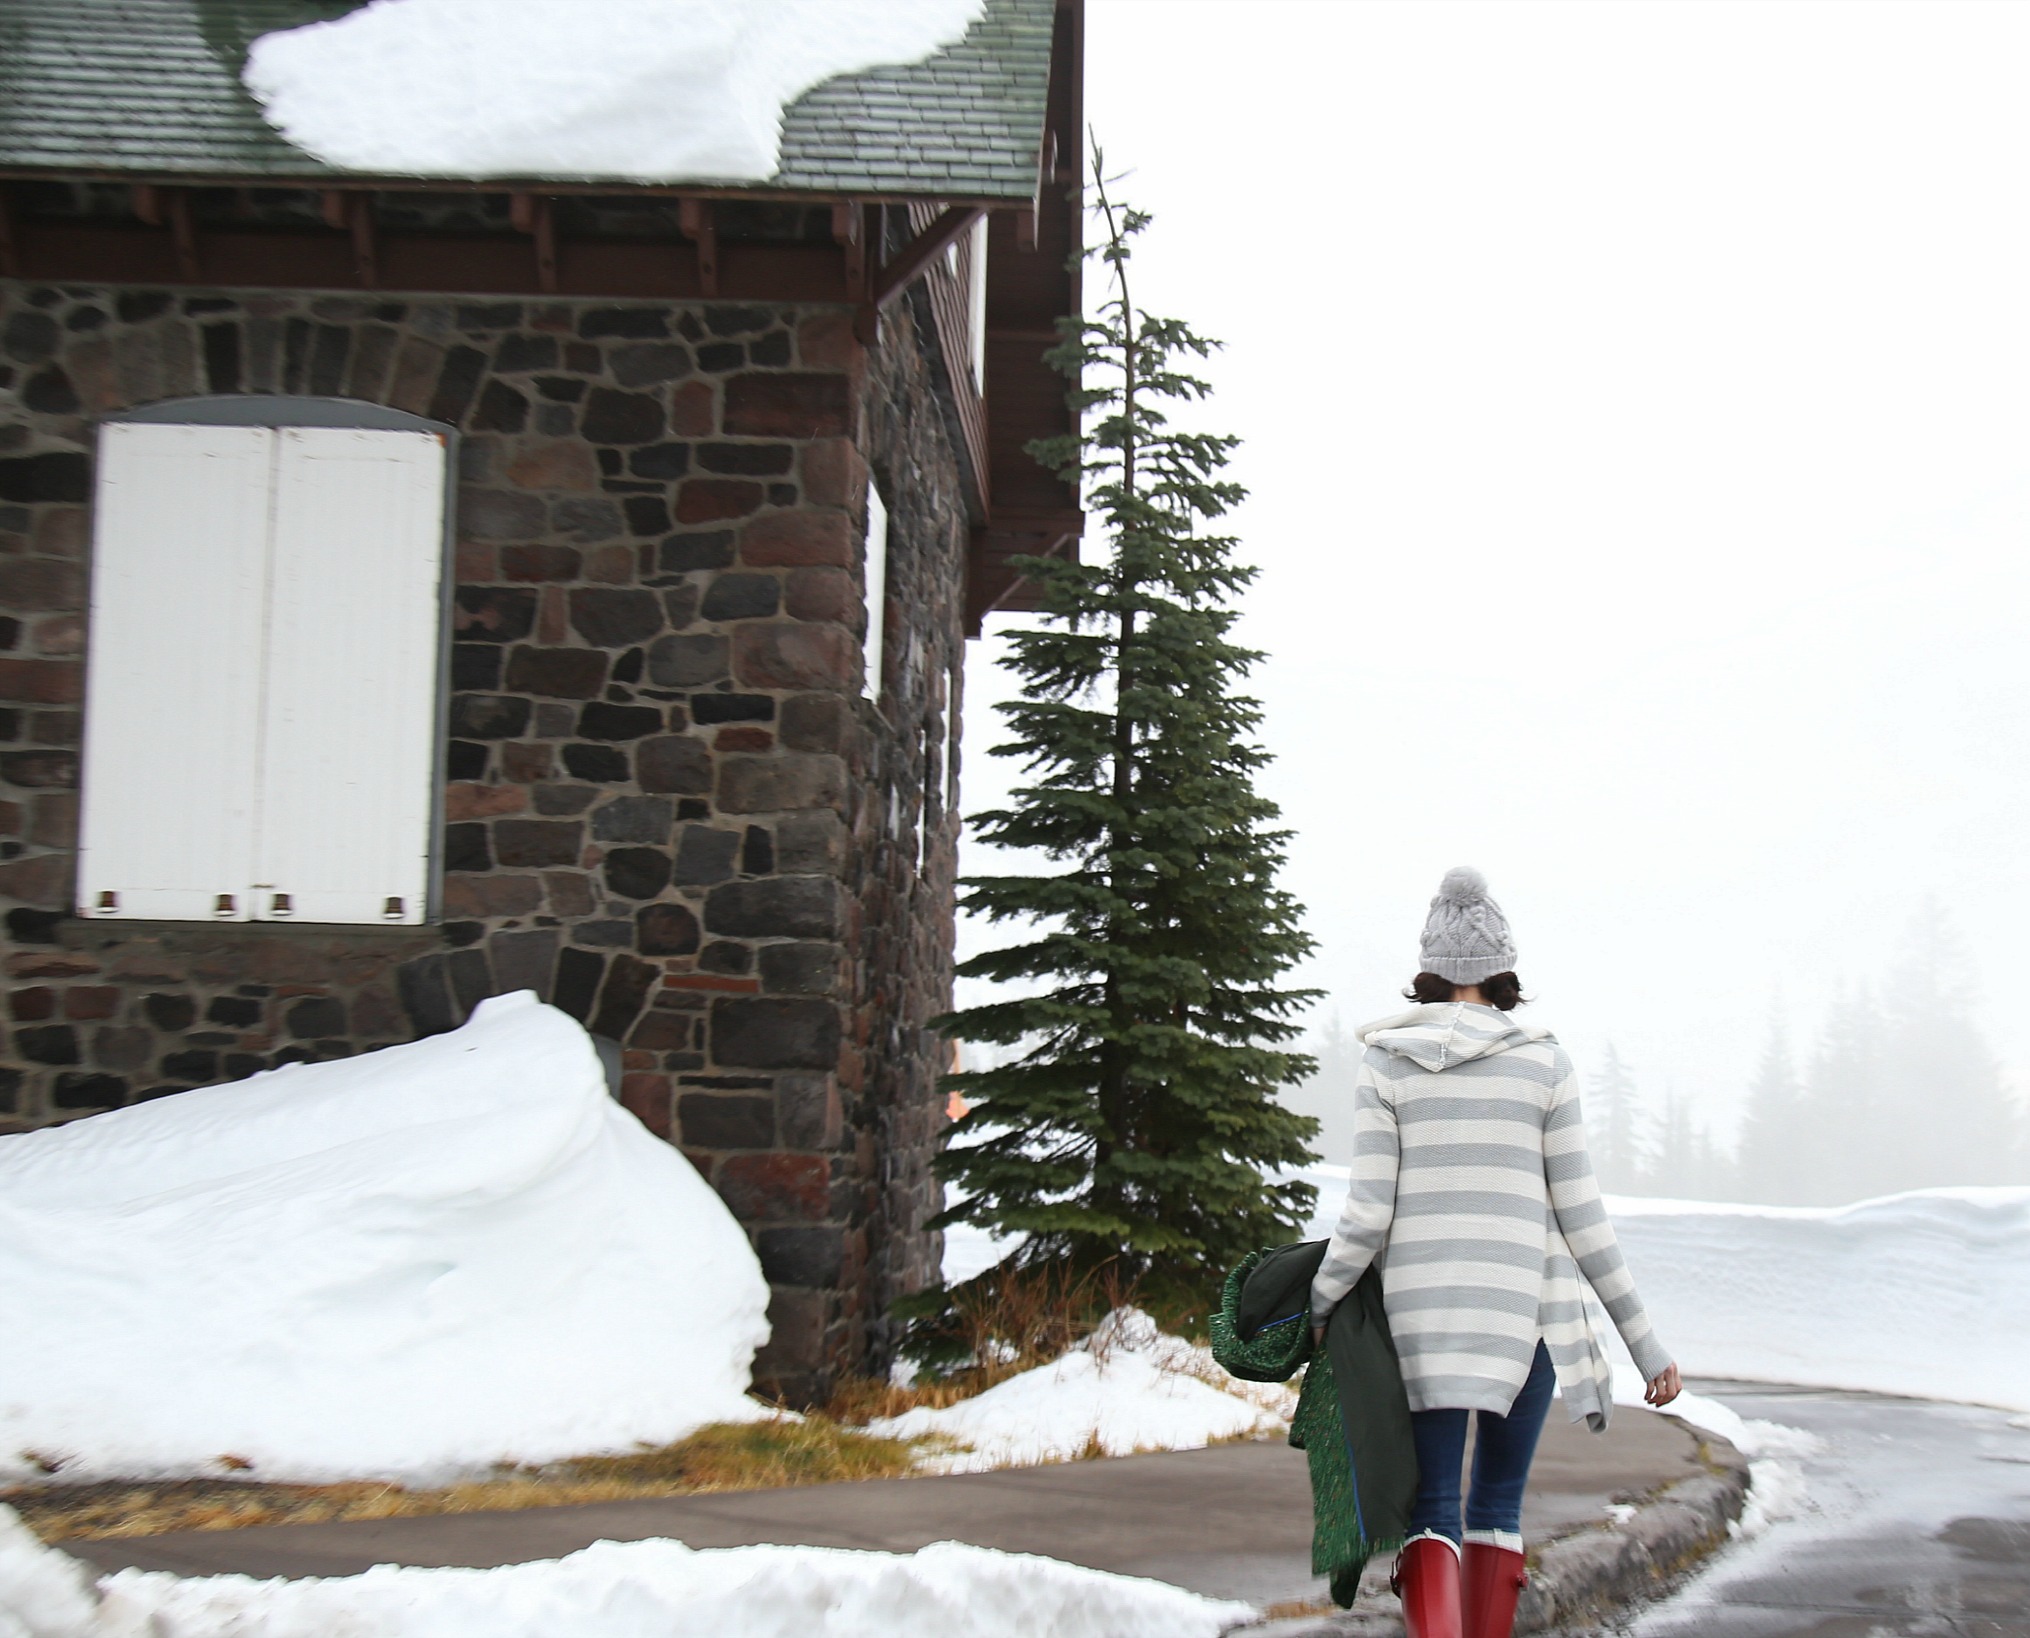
(1912, 1521)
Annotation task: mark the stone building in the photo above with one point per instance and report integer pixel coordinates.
(417, 589)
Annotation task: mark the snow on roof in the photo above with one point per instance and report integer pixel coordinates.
(655, 90)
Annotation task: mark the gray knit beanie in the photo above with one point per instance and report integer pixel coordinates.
(1466, 937)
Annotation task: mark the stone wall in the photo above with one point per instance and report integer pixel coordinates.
(669, 808)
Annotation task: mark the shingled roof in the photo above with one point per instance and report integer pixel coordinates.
(150, 90)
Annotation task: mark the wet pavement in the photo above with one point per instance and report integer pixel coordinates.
(1913, 1522)
(1230, 1522)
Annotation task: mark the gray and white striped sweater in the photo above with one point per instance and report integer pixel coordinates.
(1472, 1186)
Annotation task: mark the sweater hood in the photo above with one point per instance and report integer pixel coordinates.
(1445, 1033)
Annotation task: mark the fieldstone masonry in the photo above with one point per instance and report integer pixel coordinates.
(669, 808)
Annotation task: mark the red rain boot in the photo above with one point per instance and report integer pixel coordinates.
(1426, 1579)
(1491, 1579)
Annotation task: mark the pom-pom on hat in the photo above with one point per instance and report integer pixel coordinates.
(1466, 937)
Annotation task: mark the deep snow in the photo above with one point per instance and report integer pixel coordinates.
(656, 90)
(638, 1589)
(418, 1260)
(1925, 1294)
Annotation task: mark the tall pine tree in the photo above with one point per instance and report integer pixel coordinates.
(1774, 1145)
(1620, 1157)
(1135, 1119)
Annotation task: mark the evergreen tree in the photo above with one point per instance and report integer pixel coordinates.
(1949, 1118)
(1139, 1115)
(1620, 1157)
(1686, 1163)
(1327, 1094)
(1843, 1114)
(1773, 1141)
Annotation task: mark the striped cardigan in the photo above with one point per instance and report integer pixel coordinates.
(1472, 1186)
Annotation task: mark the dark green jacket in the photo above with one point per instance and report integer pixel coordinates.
(1353, 1417)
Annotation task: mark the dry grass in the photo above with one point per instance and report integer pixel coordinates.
(725, 1456)
(1005, 1323)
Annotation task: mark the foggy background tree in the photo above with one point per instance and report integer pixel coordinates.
(1614, 1125)
(1899, 1089)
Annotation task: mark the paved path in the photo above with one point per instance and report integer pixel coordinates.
(1915, 1524)
(1232, 1522)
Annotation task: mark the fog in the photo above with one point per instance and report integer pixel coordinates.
(1636, 405)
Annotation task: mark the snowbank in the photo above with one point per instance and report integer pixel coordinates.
(639, 1589)
(1127, 1388)
(655, 90)
(1925, 1294)
(417, 1260)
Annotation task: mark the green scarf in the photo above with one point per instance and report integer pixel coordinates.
(1353, 1417)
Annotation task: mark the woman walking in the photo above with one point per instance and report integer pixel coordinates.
(1473, 1192)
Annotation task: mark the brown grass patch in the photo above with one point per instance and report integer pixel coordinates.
(1005, 1322)
(723, 1457)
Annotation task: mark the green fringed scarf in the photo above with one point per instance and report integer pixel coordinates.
(1353, 1417)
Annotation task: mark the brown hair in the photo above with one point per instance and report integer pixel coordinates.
(1503, 990)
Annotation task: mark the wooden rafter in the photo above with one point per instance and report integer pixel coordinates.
(366, 250)
(849, 231)
(535, 214)
(695, 222)
(182, 234)
(910, 261)
(924, 249)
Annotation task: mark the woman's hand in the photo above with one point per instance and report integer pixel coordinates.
(1317, 1333)
(1663, 1387)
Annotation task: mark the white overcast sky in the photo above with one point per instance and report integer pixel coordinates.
(1637, 412)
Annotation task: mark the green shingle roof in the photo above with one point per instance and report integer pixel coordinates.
(151, 89)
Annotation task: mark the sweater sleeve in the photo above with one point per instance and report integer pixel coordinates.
(1582, 1217)
(1370, 1197)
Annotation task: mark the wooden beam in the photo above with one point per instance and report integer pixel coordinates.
(147, 203)
(10, 253)
(694, 221)
(535, 215)
(183, 234)
(914, 257)
(366, 251)
(334, 206)
(849, 230)
(924, 249)
(312, 257)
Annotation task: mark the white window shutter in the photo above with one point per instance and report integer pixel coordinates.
(349, 736)
(172, 720)
(877, 588)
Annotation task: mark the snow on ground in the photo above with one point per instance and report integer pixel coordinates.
(418, 1260)
(1925, 1294)
(1126, 1388)
(655, 90)
(638, 1589)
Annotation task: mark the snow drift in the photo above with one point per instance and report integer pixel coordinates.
(1126, 1388)
(655, 90)
(1925, 1294)
(637, 1589)
(418, 1260)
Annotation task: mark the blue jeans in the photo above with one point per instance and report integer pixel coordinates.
(1502, 1453)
